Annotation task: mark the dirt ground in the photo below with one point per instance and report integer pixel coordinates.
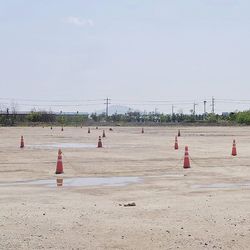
(204, 207)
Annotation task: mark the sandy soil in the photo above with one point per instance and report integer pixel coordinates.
(205, 207)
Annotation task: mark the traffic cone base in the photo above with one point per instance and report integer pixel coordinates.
(59, 165)
(99, 145)
(176, 146)
(22, 142)
(234, 150)
(186, 162)
(186, 159)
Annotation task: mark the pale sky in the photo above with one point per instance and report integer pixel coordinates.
(132, 51)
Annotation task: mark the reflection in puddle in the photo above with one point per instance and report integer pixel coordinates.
(167, 175)
(78, 182)
(63, 145)
(224, 185)
(59, 182)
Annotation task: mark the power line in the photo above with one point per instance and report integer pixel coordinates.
(140, 104)
(48, 100)
(55, 105)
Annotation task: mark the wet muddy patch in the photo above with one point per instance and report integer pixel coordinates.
(236, 185)
(79, 182)
(62, 145)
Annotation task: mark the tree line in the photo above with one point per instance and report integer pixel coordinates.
(43, 117)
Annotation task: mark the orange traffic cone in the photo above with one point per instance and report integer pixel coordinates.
(103, 134)
(142, 130)
(22, 142)
(179, 133)
(99, 145)
(186, 159)
(88, 130)
(234, 151)
(59, 165)
(176, 146)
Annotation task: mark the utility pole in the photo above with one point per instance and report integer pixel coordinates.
(172, 110)
(195, 104)
(107, 106)
(172, 116)
(205, 108)
(213, 104)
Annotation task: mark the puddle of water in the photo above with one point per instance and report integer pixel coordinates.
(167, 175)
(223, 185)
(62, 145)
(79, 182)
(59, 182)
